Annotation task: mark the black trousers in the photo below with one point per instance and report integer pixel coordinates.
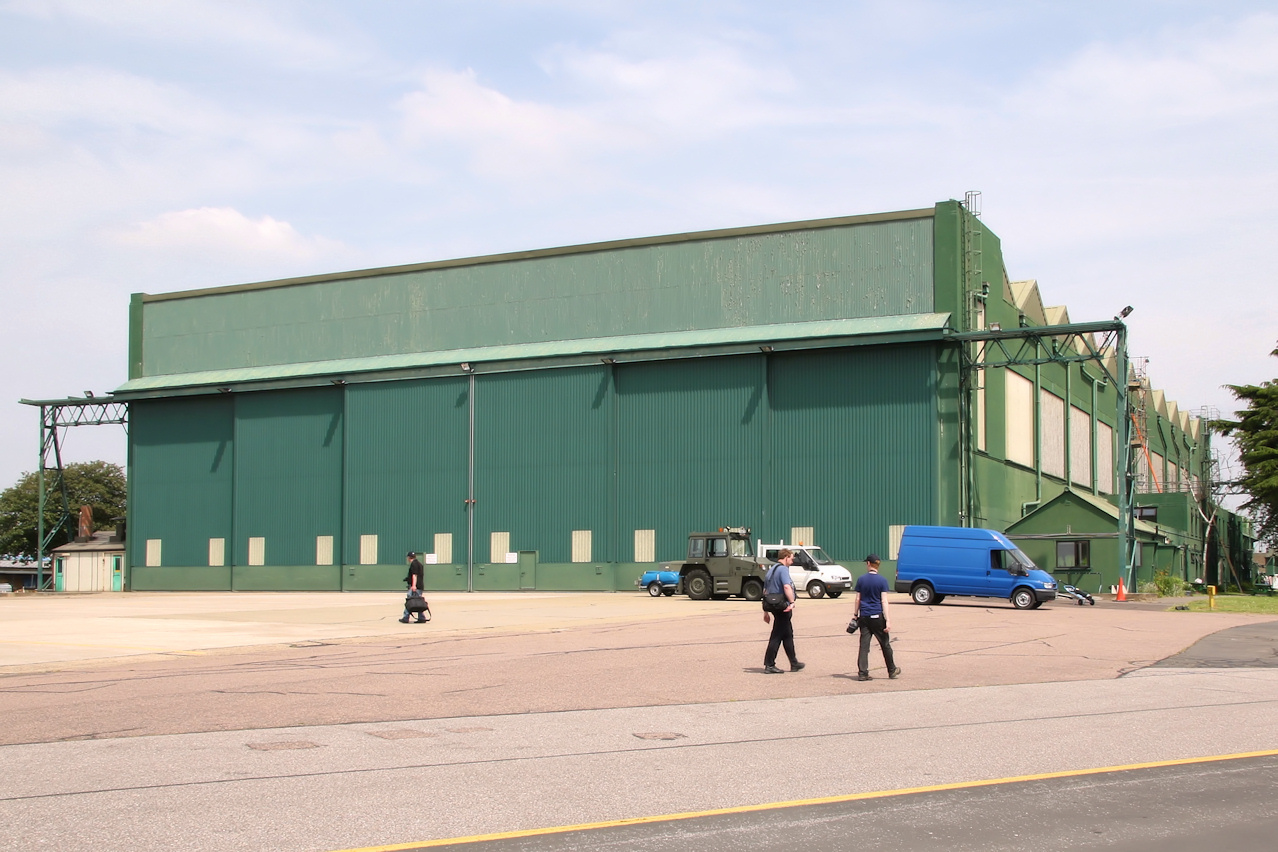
(873, 625)
(782, 634)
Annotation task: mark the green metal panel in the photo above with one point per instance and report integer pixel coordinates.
(288, 473)
(184, 578)
(406, 447)
(541, 460)
(853, 445)
(689, 449)
(587, 351)
(136, 315)
(870, 269)
(384, 578)
(1001, 490)
(577, 576)
(278, 578)
(947, 247)
(496, 578)
(182, 454)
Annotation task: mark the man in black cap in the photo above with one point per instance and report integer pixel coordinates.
(416, 579)
(871, 613)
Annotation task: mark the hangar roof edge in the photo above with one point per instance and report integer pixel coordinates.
(561, 353)
(584, 248)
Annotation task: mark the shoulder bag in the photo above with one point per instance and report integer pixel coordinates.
(773, 602)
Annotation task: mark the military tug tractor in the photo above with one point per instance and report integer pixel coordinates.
(720, 564)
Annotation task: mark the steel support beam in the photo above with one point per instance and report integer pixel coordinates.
(57, 415)
(1071, 343)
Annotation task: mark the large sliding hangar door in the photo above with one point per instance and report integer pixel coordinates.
(597, 469)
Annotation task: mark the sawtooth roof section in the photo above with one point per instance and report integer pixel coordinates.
(1159, 398)
(1028, 301)
(1057, 315)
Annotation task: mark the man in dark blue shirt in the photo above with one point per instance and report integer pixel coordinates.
(871, 613)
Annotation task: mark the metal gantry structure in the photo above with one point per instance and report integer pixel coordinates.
(1070, 343)
(57, 415)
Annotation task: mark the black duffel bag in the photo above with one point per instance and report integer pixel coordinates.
(416, 603)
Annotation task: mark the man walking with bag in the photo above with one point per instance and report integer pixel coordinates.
(415, 580)
(778, 587)
(871, 613)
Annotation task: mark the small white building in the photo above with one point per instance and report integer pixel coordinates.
(95, 564)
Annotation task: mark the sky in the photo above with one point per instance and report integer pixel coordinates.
(1125, 152)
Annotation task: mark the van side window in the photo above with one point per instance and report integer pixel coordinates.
(996, 560)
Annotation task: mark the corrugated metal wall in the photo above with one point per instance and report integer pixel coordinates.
(288, 472)
(854, 444)
(541, 460)
(689, 448)
(182, 454)
(842, 440)
(405, 466)
(871, 269)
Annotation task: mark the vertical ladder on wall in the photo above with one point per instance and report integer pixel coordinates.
(1138, 393)
(973, 305)
(973, 263)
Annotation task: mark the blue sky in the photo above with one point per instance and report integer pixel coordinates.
(1125, 152)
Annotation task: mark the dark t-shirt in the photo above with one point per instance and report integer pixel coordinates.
(871, 586)
(415, 567)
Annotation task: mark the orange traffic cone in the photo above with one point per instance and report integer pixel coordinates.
(1122, 593)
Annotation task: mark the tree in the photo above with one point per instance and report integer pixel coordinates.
(1256, 431)
(97, 483)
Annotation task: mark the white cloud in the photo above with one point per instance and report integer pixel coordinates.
(690, 90)
(215, 231)
(1178, 77)
(244, 24)
(98, 98)
(502, 137)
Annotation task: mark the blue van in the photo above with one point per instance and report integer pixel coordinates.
(938, 561)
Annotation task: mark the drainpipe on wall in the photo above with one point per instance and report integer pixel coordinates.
(1069, 432)
(470, 485)
(1038, 428)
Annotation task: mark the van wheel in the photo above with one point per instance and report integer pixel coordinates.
(698, 584)
(1023, 599)
(654, 588)
(923, 594)
(752, 590)
(816, 589)
(835, 593)
(938, 599)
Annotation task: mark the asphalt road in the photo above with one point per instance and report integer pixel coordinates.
(326, 746)
(1225, 806)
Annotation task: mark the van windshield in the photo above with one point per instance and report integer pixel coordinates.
(818, 556)
(1015, 556)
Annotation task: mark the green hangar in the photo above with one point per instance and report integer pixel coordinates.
(556, 419)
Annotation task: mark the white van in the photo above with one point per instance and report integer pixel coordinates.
(812, 571)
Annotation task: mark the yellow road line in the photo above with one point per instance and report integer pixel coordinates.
(795, 803)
